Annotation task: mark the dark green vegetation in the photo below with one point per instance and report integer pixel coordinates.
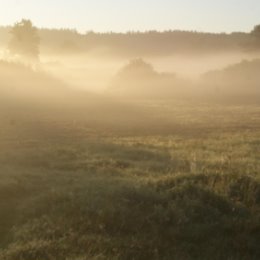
(86, 177)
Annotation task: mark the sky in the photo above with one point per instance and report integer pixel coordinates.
(135, 15)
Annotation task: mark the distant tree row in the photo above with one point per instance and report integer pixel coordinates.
(25, 41)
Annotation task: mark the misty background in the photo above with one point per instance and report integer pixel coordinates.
(134, 135)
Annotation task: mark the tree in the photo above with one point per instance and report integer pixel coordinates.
(138, 68)
(25, 40)
(256, 31)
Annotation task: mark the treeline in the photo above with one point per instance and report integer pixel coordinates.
(140, 43)
(143, 43)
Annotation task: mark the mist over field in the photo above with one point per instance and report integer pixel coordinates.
(129, 146)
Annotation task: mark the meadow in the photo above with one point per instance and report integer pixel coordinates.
(182, 183)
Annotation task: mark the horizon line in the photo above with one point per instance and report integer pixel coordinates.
(129, 31)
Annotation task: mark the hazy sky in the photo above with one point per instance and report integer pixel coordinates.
(124, 15)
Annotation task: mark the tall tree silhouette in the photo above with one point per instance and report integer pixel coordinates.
(256, 31)
(25, 40)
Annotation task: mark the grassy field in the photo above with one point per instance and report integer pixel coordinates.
(185, 189)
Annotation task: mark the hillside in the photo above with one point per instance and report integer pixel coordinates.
(240, 79)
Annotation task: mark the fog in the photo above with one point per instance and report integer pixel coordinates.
(134, 95)
(128, 146)
(91, 62)
(99, 81)
(94, 72)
